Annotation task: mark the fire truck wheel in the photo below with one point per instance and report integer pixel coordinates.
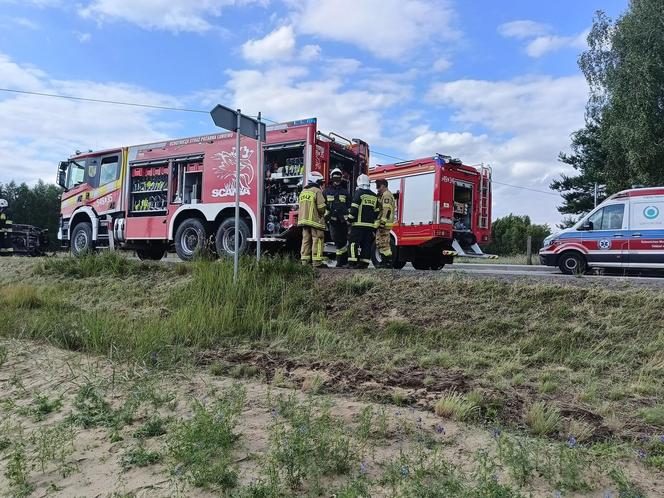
(190, 238)
(421, 264)
(572, 263)
(81, 239)
(225, 239)
(151, 253)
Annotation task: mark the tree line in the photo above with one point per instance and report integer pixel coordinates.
(38, 205)
(622, 142)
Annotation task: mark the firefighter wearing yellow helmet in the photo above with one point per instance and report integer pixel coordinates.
(363, 218)
(337, 198)
(311, 217)
(385, 223)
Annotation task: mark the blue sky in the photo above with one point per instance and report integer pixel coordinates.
(487, 81)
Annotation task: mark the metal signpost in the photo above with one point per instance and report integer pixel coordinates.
(227, 118)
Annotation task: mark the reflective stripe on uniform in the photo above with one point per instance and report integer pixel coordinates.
(342, 251)
(353, 252)
(362, 224)
(365, 261)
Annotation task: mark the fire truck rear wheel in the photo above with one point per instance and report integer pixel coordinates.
(421, 264)
(81, 239)
(190, 238)
(151, 253)
(225, 239)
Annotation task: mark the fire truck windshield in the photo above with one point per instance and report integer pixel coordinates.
(74, 175)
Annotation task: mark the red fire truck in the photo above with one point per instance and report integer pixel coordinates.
(181, 193)
(443, 210)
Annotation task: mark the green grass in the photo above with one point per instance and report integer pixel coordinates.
(594, 342)
(456, 406)
(139, 456)
(202, 446)
(517, 259)
(543, 420)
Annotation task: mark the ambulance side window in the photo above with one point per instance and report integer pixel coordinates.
(608, 218)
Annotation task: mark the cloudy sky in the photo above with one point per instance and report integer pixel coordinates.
(491, 81)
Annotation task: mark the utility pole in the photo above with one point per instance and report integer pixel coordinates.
(596, 187)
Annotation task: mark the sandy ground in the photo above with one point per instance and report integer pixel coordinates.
(90, 464)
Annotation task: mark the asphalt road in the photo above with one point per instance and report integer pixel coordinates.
(546, 273)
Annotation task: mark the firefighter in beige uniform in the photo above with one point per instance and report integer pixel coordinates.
(385, 223)
(5, 229)
(311, 218)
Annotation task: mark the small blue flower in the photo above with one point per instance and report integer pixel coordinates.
(557, 494)
(405, 471)
(179, 470)
(398, 413)
(363, 468)
(661, 439)
(494, 477)
(303, 429)
(571, 442)
(641, 454)
(496, 433)
(440, 429)
(153, 357)
(274, 413)
(608, 494)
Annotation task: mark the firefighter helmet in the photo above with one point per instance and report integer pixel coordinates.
(363, 181)
(3, 204)
(335, 172)
(315, 177)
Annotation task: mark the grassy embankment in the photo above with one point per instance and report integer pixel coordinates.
(552, 361)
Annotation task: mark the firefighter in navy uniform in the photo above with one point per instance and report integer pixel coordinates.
(385, 223)
(338, 202)
(311, 217)
(5, 229)
(363, 218)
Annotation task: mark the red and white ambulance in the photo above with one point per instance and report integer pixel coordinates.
(624, 231)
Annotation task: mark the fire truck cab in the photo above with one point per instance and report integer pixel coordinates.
(181, 193)
(443, 210)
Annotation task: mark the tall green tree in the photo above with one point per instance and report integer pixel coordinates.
(510, 234)
(622, 143)
(38, 205)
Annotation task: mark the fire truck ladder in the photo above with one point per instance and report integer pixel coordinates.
(485, 185)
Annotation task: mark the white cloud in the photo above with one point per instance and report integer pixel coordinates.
(290, 93)
(518, 126)
(390, 29)
(441, 65)
(171, 15)
(83, 37)
(37, 132)
(25, 23)
(540, 38)
(277, 45)
(310, 53)
(523, 29)
(544, 44)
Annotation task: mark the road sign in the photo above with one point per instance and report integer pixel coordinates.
(225, 117)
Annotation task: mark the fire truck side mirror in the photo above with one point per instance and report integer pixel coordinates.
(62, 173)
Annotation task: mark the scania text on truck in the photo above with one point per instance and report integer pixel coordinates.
(625, 231)
(443, 210)
(181, 193)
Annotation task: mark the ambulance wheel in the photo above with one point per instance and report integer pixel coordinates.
(190, 239)
(151, 253)
(225, 239)
(81, 239)
(572, 263)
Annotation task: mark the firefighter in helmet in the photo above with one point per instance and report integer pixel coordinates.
(311, 217)
(363, 218)
(338, 202)
(5, 229)
(385, 223)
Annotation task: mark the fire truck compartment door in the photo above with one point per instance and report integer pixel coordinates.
(417, 199)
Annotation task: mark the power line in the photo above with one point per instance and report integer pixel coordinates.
(101, 101)
(199, 111)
